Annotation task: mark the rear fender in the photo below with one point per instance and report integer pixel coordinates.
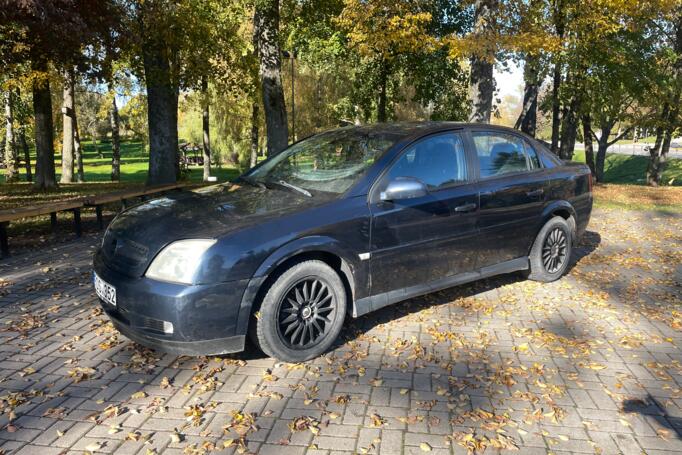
(554, 207)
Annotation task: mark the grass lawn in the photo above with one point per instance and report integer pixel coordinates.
(631, 169)
(624, 176)
(134, 164)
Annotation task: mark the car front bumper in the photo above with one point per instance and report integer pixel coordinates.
(203, 317)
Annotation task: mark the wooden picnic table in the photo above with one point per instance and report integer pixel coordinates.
(75, 205)
(98, 200)
(52, 208)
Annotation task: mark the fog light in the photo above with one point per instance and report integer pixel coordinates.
(167, 327)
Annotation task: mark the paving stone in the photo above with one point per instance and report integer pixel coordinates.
(618, 395)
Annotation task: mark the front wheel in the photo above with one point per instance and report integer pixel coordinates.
(302, 312)
(551, 251)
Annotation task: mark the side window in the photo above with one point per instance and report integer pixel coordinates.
(438, 161)
(499, 153)
(533, 158)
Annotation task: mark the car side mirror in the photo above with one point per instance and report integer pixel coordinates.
(403, 188)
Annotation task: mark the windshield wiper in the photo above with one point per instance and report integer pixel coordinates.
(253, 182)
(295, 188)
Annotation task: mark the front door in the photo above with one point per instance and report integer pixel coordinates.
(512, 184)
(415, 241)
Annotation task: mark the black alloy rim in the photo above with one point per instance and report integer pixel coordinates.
(554, 250)
(306, 313)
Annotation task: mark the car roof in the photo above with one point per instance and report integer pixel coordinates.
(425, 127)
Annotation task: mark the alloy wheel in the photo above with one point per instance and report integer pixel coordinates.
(554, 250)
(306, 313)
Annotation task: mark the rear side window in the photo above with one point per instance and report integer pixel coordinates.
(533, 158)
(499, 153)
(438, 161)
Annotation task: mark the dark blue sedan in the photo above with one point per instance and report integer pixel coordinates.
(342, 223)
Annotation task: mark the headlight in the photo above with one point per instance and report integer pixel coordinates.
(178, 261)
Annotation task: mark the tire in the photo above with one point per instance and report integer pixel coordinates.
(551, 252)
(302, 313)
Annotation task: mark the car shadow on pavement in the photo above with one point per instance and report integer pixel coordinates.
(588, 243)
(650, 407)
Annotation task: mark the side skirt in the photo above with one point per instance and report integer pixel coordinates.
(374, 302)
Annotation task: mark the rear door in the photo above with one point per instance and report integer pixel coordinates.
(512, 194)
(419, 240)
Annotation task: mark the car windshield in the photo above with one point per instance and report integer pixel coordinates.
(329, 162)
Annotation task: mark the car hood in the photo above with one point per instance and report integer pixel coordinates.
(139, 233)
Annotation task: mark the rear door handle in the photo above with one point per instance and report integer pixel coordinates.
(535, 193)
(466, 207)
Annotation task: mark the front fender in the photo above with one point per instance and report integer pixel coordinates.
(352, 267)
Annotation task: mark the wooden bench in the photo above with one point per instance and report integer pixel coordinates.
(75, 205)
(97, 201)
(8, 215)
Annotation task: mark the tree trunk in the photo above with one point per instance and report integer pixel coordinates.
(589, 147)
(115, 139)
(266, 30)
(67, 127)
(254, 135)
(654, 153)
(558, 18)
(205, 126)
(663, 156)
(42, 109)
(603, 145)
(383, 80)
(26, 151)
(669, 117)
(569, 123)
(23, 144)
(77, 149)
(556, 108)
(11, 171)
(161, 112)
(481, 82)
(527, 120)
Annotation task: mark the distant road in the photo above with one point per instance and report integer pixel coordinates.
(638, 149)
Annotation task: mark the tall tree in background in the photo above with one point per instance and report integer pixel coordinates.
(530, 20)
(482, 82)
(44, 33)
(22, 117)
(68, 128)
(266, 32)
(45, 177)
(383, 32)
(157, 19)
(11, 171)
(115, 137)
(558, 19)
(205, 128)
(532, 76)
(668, 91)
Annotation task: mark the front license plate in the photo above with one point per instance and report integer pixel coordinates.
(105, 291)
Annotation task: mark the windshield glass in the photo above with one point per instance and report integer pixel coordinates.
(329, 162)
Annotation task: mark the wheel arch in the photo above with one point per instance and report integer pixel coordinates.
(561, 208)
(320, 248)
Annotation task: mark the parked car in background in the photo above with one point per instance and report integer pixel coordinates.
(342, 223)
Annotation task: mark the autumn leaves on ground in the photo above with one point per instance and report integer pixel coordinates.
(588, 364)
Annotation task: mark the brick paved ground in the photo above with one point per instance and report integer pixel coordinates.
(589, 364)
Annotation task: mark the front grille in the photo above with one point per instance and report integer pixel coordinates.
(124, 255)
(152, 324)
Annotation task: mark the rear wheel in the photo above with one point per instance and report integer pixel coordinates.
(302, 312)
(551, 251)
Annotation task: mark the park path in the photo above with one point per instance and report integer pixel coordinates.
(588, 364)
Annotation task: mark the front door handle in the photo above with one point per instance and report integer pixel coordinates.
(534, 193)
(466, 207)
